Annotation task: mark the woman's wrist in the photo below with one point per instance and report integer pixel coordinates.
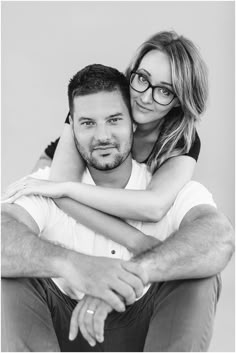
(70, 187)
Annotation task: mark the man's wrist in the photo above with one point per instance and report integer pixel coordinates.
(61, 262)
(149, 262)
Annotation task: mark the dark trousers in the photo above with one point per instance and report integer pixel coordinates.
(171, 316)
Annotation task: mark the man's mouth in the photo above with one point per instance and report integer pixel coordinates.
(103, 148)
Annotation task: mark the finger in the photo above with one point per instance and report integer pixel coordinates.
(83, 328)
(133, 281)
(74, 322)
(137, 270)
(14, 197)
(88, 318)
(17, 185)
(10, 200)
(100, 316)
(10, 192)
(16, 188)
(113, 300)
(125, 290)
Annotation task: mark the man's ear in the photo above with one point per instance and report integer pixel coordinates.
(70, 119)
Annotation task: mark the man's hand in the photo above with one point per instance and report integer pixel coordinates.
(89, 316)
(105, 278)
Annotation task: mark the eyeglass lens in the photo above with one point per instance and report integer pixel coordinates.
(161, 94)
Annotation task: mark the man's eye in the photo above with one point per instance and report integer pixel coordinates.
(114, 120)
(87, 123)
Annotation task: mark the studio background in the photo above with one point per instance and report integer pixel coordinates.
(45, 43)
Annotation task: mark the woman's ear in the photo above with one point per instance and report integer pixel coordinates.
(177, 103)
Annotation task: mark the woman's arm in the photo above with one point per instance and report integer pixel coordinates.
(145, 205)
(44, 161)
(111, 227)
(63, 158)
(67, 163)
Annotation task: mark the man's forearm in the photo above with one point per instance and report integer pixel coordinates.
(201, 248)
(24, 254)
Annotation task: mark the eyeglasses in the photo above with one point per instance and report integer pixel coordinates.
(160, 94)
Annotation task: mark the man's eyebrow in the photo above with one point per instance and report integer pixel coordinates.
(162, 82)
(84, 118)
(115, 115)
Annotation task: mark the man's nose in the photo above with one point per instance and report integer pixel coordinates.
(146, 97)
(102, 133)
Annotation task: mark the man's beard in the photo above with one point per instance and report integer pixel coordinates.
(92, 161)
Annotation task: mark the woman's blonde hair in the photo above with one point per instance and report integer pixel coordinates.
(190, 84)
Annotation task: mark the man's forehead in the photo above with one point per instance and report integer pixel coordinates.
(101, 102)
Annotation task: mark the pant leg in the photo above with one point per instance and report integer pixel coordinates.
(26, 320)
(183, 316)
(126, 332)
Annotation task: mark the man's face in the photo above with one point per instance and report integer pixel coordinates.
(102, 129)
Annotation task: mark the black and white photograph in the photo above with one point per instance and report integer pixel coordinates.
(118, 176)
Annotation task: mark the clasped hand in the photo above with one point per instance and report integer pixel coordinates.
(89, 316)
(111, 283)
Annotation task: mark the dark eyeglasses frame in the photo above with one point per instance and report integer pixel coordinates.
(149, 85)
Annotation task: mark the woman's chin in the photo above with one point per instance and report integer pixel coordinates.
(139, 117)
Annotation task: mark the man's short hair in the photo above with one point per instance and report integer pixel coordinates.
(98, 78)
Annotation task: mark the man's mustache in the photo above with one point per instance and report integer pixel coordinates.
(104, 145)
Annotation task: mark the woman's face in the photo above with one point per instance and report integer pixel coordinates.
(154, 67)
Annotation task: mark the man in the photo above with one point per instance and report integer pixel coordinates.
(175, 313)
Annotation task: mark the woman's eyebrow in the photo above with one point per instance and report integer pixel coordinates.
(148, 73)
(166, 83)
(162, 82)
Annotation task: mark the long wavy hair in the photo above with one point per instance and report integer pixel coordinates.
(190, 84)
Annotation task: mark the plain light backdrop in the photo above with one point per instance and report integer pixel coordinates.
(45, 43)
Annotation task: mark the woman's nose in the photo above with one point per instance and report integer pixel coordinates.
(146, 97)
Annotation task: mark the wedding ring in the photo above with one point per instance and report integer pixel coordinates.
(90, 311)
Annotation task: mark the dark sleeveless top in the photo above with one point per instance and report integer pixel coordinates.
(193, 152)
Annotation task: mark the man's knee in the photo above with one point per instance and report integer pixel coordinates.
(184, 315)
(26, 321)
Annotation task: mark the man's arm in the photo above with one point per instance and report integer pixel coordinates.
(24, 254)
(201, 247)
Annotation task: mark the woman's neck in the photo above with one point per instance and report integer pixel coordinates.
(149, 131)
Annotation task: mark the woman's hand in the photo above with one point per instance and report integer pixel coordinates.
(89, 316)
(33, 186)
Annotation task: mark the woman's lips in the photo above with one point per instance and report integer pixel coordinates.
(142, 108)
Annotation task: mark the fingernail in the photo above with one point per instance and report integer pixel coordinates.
(100, 339)
(71, 337)
(92, 343)
(122, 308)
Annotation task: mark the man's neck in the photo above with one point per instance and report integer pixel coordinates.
(114, 178)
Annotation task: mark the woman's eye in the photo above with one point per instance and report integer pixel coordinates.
(142, 78)
(165, 91)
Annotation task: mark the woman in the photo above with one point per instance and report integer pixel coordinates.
(168, 88)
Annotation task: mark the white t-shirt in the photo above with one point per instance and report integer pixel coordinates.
(56, 226)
